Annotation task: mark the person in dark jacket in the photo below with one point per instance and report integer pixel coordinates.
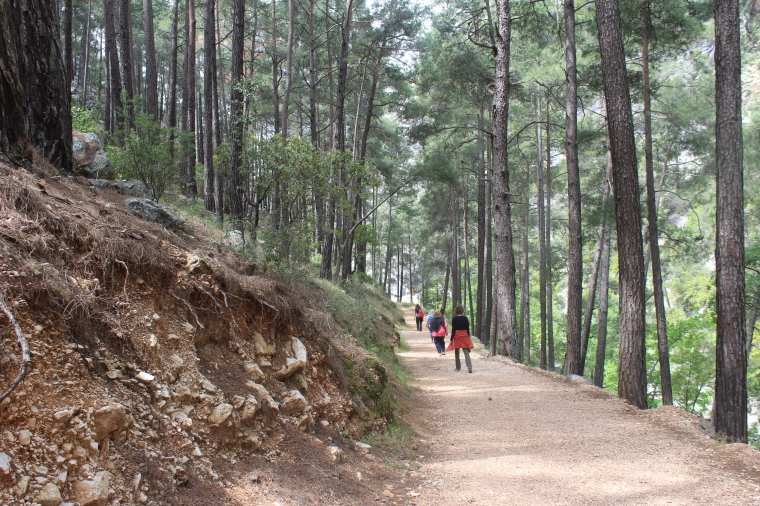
(438, 331)
(460, 338)
(419, 315)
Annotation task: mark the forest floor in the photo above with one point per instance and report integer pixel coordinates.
(508, 434)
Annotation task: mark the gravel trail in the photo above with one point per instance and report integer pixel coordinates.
(507, 434)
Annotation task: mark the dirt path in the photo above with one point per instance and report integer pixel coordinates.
(507, 434)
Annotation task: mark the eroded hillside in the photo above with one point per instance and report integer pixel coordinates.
(159, 361)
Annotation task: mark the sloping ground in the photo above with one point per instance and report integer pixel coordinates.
(161, 373)
(511, 435)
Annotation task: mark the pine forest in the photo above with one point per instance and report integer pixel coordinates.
(580, 176)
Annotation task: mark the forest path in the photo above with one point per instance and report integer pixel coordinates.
(507, 434)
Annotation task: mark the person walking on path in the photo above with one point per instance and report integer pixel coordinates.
(438, 331)
(460, 338)
(430, 317)
(419, 315)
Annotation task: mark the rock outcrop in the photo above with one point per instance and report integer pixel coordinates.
(90, 159)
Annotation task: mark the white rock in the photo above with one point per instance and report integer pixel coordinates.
(336, 454)
(24, 437)
(238, 401)
(362, 447)
(50, 495)
(293, 403)
(254, 371)
(208, 386)
(296, 362)
(324, 423)
(22, 486)
(221, 413)
(261, 346)
(111, 420)
(92, 492)
(64, 416)
(115, 374)
(5, 465)
(145, 377)
(252, 406)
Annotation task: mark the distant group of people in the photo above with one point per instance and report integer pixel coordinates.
(438, 328)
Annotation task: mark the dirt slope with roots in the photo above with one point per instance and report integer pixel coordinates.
(164, 372)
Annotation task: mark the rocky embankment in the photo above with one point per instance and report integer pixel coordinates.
(156, 360)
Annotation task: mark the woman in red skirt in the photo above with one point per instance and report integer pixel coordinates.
(460, 338)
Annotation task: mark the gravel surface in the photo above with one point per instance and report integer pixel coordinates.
(508, 434)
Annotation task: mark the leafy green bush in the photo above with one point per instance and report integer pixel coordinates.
(144, 154)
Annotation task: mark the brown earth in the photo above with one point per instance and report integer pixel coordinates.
(508, 434)
(198, 358)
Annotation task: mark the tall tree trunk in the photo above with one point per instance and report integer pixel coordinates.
(574, 236)
(730, 403)
(340, 101)
(236, 111)
(68, 54)
(172, 101)
(446, 281)
(86, 54)
(209, 72)
(654, 236)
(592, 283)
(288, 67)
(604, 295)
(548, 242)
(632, 378)
(275, 72)
(151, 74)
(331, 78)
(489, 296)
(188, 104)
(313, 130)
(524, 337)
(456, 278)
(127, 64)
(481, 261)
(541, 230)
(113, 66)
(505, 260)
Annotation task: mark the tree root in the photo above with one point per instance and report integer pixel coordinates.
(26, 354)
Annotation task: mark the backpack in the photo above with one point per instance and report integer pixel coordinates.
(420, 314)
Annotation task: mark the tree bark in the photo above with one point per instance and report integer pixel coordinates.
(548, 242)
(35, 106)
(209, 71)
(604, 294)
(127, 66)
(151, 74)
(574, 236)
(592, 283)
(632, 378)
(505, 261)
(288, 67)
(275, 73)
(340, 101)
(116, 105)
(654, 236)
(172, 101)
(730, 402)
(68, 54)
(481, 260)
(541, 231)
(236, 111)
(86, 54)
(188, 104)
